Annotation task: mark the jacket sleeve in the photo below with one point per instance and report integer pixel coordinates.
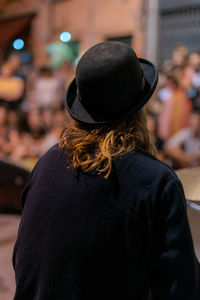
(174, 268)
(25, 192)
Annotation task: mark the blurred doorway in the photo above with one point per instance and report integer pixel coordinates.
(14, 28)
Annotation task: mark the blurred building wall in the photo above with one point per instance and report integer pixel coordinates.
(89, 21)
(40, 33)
(92, 21)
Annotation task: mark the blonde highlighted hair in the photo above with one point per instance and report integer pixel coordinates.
(93, 147)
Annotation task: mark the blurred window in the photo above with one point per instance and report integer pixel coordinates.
(179, 24)
(60, 0)
(127, 39)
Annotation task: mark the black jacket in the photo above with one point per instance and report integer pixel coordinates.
(83, 237)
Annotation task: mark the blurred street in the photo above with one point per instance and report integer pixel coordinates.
(8, 231)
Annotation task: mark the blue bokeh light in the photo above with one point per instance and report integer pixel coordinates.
(18, 44)
(65, 36)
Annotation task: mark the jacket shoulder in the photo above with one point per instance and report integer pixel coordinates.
(52, 161)
(55, 153)
(143, 164)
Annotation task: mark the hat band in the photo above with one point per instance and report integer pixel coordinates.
(113, 108)
(137, 94)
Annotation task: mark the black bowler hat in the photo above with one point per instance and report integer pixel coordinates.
(111, 83)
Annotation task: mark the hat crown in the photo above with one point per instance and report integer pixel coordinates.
(109, 78)
(111, 84)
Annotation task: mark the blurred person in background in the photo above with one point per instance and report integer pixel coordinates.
(59, 121)
(178, 60)
(15, 61)
(65, 75)
(12, 146)
(193, 67)
(176, 64)
(3, 128)
(14, 134)
(15, 146)
(42, 130)
(176, 107)
(152, 125)
(32, 77)
(11, 87)
(35, 132)
(14, 118)
(27, 152)
(184, 147)
(47, 92)
(47, 119)
(179, 56)
(193, 90)
(154, 106)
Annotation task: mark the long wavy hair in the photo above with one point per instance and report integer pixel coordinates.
(93, 147)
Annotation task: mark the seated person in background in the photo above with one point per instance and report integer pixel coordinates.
(153, 129)
(184, 147)
(47, 93)
(11, 87)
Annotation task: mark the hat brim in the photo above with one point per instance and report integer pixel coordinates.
(79, 113)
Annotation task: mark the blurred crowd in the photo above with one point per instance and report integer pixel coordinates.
(174, 111)
(32, 110)
(33, 114)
